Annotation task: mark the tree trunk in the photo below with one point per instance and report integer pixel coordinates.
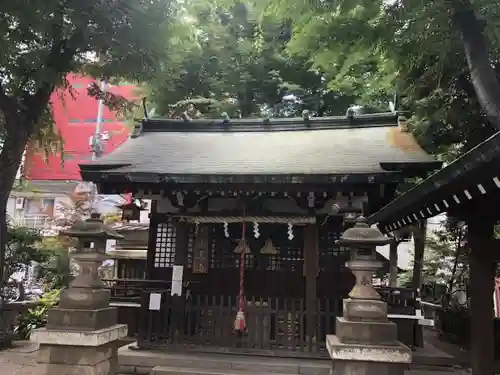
(10, 159)
(419, 232)
(393, 263)
(245, 103)
(482, 74)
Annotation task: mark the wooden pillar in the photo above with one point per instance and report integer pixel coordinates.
(153, 228)
(482, 276)
(177, 293)
(311, 275)
(419, 233)
(393, 263)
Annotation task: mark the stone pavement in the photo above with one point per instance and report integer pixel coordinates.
(21, 360)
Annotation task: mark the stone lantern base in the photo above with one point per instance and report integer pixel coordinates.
(362, 359)
(366, 342)
(63, 352)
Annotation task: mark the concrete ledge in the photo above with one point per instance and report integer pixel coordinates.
(378, 353)
(143, 361)
(80, 338)
(169, 370)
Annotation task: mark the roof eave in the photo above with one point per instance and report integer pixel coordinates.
(111, 177)
(412, 168)
(483, 154)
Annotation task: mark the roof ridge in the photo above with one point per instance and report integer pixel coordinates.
(266, 124)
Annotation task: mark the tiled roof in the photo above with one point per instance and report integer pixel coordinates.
(323, 146)
(132, 227)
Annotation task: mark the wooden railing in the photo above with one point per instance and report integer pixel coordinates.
(130, 290)
(402, 301)
(9, 314)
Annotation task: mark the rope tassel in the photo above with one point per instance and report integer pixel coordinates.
(239, 322)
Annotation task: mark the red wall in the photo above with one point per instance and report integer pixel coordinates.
(75, 116)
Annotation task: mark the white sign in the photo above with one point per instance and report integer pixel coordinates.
(176, 288)
(177, 273)
(110, 245)
(155, 301)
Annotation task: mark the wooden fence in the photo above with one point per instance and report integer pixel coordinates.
(273, 324)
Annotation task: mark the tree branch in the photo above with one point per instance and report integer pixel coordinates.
(482, 73)
(58, 64)
(7, 104)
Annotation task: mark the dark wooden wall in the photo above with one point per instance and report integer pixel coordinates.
(280, 275)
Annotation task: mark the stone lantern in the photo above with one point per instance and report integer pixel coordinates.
(82, 331)
(365, 341)
(87, 297)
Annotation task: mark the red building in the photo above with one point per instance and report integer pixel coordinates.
(75, 116)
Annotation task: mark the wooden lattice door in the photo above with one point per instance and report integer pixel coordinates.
(266, 275)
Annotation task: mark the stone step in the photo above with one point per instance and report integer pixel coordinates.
(172, 370)
(142, 362)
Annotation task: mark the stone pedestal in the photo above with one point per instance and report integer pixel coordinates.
(366, 341)
(82, 335)
(79, 353)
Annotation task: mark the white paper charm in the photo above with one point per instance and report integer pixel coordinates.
(290, 231)
(256, 232)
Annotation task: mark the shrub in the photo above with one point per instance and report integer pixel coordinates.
(36, 317)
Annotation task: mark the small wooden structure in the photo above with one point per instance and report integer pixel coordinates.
(285, 188)
(467, 189)
(130, 253)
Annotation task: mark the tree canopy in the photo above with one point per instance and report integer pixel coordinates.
(232, 57)
(42, 41)
(438, 60)
(277, 58)
(421, 50)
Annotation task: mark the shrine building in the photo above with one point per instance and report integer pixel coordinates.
(245, 217)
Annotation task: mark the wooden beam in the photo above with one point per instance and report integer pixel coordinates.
(358, 187)
(299, 181)
(235, 215)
